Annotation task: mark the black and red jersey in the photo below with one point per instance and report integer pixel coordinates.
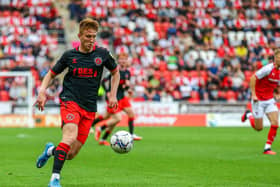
(124, 76)
(82, 80)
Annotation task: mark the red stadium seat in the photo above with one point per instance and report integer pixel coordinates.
(194, 73)
(175, 73)
(138, 99)
(194, 97)
(4, 95)
(162, 66)
(203, 74)
(248, 75)
(230, 95)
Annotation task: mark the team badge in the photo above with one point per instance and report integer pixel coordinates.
(98, 61)
(70, 117)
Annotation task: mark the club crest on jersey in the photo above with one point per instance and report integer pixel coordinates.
(70, 117)
(98, 61)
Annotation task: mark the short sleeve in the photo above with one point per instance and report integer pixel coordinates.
(60, 65)
(110, 62)
(264, 71)
(129, 75)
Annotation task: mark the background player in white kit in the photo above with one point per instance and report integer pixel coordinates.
(263, 85)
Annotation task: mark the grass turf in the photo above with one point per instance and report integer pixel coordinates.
(166, 157)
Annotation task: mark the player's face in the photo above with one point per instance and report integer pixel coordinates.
(123, 62)
(87, 38)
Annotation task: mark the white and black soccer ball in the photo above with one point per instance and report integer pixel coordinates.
(121, 142)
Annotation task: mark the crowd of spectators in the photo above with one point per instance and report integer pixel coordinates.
(181, 50)
(190, 50)
(29, 31)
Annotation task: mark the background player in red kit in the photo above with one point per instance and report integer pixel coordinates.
(78, 98)
(123, 105)
(264, 86)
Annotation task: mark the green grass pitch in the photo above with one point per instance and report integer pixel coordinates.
(166, 157)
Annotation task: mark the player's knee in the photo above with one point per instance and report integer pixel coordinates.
(111, 127)
(106, 117)
(258, 128)
(69, 139)
(131, 115)
(118, 118)
(274, 123)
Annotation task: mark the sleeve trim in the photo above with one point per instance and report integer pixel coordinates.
(53, 72)
(114, 70)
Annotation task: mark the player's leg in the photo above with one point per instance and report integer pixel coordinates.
(83, 131)
(77, 145)
(125, 105)
(272, 115)
(99, 129)
(248, 115)
(115, 118)
(111, 123)
(69, 135)
(256, 117)
(100, 118)
(131, 116)
(74, 150)
(70, 117)
(108, 114)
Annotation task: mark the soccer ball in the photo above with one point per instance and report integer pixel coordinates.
(121, 142)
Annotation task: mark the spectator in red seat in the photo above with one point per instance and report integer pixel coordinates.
(151, 94)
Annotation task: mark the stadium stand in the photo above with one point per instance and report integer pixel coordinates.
(30, 31)
(207, 49)
(181, 50)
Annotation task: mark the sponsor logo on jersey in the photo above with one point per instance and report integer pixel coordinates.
(84, 72)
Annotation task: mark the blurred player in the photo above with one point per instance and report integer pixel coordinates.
(263, 85)
(123, 105)
(78, 98)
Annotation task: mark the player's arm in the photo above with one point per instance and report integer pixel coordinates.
(111, 65)
(104, 81)
(128, 88)
(261, 73)
(41, 100)
(126, 85)
(56, 69)
(115, 80)
(253, 87)
(277, 94)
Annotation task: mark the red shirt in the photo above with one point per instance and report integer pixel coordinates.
(268, 78)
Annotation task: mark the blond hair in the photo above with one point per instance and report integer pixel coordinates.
(88, 23)
(277, 51)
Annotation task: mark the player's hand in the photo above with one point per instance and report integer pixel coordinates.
(254, 98)
(130, 92)
(277, 97)
(41, 100)
(113, 102)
